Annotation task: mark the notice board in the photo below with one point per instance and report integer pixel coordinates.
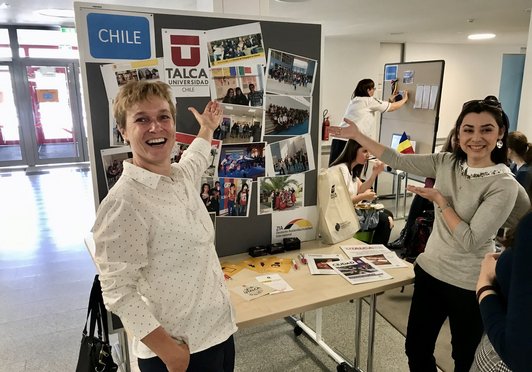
(419, 117)
(138, 33)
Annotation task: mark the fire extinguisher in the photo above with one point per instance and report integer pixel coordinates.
(325, 126)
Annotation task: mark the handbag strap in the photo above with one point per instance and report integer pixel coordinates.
(93, 311)
(103, 326)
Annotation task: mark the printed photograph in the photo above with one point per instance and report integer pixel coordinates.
(225, 196)
(116, 75)
(240, 125)
(242, 160)
(287, 115)
(112, 163)
(238, 85)
(377, 259)
(290, 156)
(183, 141)
(290, 74)
(236, 45)
(282, 193)
(115, 137)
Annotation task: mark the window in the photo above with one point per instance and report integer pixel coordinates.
(60, 43)
(5, 49)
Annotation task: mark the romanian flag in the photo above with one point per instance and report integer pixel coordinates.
(405, 147)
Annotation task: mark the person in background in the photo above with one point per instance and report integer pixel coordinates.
(363, 106)
(242, 200)
(351, 162)
(154, 240)
(229, 96)
(240, 98)
(520, 153)
(255, 97)
(475, 194)
(504, 292)
(420, 204)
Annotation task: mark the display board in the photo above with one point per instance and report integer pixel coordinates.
(129, 42)
(420, 115)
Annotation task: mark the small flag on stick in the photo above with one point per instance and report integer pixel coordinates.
(405, 147)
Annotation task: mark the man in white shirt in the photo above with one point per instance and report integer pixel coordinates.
(155, 241)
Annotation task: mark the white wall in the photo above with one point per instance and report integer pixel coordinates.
(346, 62)
(524, 122)
(471, 72)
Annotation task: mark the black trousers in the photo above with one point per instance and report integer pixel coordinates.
(382, 231)
(218, 358)
(433, 301)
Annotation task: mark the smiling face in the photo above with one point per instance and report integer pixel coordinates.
(150, 131)
(478, 137)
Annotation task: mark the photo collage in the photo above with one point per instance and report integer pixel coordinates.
(263, 140)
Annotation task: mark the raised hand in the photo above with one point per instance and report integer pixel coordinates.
(211, 116)
(347, 132)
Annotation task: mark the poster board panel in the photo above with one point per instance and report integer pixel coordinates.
(232, 236)
(418, 118)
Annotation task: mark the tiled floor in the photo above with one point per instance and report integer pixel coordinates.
(46, 273)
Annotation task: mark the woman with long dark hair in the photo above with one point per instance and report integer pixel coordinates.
(351, 162)
(475, 194)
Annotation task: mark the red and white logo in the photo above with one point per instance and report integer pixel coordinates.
(178, 44)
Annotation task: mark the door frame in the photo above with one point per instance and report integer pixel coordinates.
(24, 107)
(16, 98)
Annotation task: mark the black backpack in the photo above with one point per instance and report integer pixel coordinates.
(418, 236)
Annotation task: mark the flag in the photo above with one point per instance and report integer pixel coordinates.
(405, 147)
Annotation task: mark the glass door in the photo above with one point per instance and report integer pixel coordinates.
(56, 121)
(10, 145)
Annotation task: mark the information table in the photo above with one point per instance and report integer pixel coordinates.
(313, 292)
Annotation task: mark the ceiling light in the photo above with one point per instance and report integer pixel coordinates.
(481, 36)
(4, 5)
(58, 13)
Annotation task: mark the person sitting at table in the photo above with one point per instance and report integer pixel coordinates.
(154, 240)
(351, 161)
(476, 194)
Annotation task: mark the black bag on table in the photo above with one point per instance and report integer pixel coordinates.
(95, 350)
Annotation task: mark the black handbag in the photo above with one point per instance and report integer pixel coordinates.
(95, 350)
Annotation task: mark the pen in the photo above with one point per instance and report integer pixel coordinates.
(295, 264)
(302, 259)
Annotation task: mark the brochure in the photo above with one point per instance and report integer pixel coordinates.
(276, 282)
(358, 271)
(377, 254)
(251, 291)
(318, 263)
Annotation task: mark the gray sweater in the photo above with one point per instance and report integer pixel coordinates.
(484, 198)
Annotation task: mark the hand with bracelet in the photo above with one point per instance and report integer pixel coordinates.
(487, 278)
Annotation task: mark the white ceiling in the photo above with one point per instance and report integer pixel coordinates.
(422, 21)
